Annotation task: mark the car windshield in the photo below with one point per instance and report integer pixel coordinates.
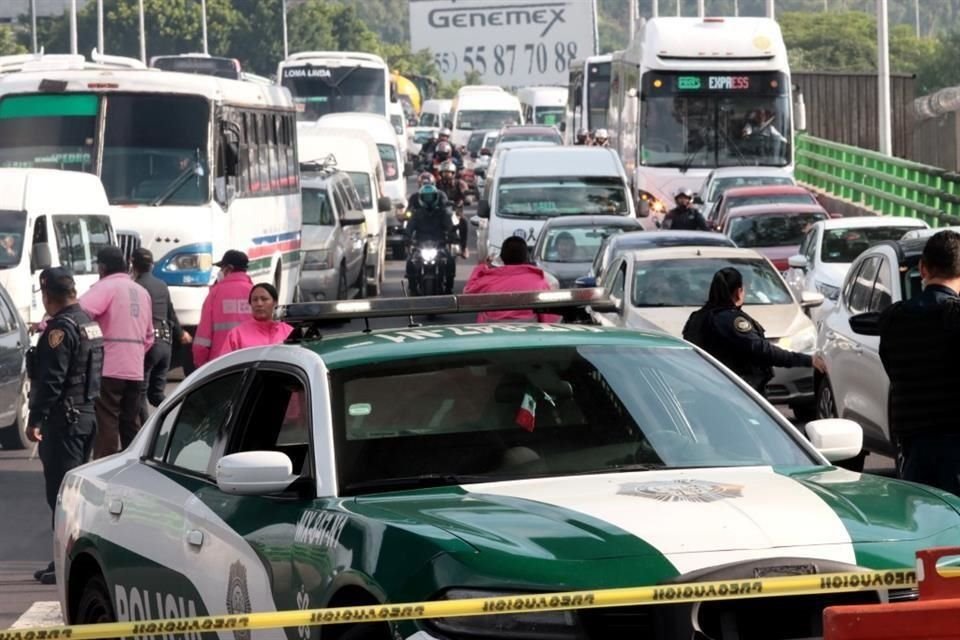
(397, 122)
(429, 120)
(79, 239)
(786, 198)
(532, 137)
(718, 186)
(549, 115)
(574, 244)
(470, 120)
(772, 230)
(422, 136)
(388, 158)
(316, 207)
(549, 197)
(475, 143)
(555, 411)
(361, 181)
(686, 283)
(13, 225)
(844, 245)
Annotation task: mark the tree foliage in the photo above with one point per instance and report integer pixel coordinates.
(8, 42)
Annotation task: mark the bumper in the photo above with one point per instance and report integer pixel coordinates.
(791, 386)
(317, 286)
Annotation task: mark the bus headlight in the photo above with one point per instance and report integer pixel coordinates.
(189, 262)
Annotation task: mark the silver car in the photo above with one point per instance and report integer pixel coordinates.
(333, 238)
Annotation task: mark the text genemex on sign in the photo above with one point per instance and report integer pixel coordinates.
(547, 14)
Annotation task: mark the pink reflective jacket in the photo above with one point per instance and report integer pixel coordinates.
(227, 306)
(255, 333)
(125, 315)
(510, 277)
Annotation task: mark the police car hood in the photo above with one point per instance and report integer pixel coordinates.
(778, 320)
(695, 518)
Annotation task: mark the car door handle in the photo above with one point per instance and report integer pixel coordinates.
(856, 348)
(830, 335)
(195, 538)
(115, 507)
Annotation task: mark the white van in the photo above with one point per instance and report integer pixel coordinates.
(433, 113)
(477, 108)
(544, 105)
(356, 154)
(50, 218)
(399, 121)
(533, 184)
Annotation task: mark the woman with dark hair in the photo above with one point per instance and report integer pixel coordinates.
(262, 329)
(724, 330)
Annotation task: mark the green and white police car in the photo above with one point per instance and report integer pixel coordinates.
(458, 461)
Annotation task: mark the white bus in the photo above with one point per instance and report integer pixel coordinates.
(323, 82)
(692, 94)
(543, 105)
(482, 107)
(192, 165)
(589, 95)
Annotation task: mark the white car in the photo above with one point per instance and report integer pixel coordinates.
(926, 232)
(659, 289)
(830, 246)
(855, 384)
(723, 178)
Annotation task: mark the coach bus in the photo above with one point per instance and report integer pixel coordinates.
(323, 82)
(589, 95)
(692, 94)
(192, 165)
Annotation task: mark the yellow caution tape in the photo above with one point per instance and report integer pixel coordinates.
(629, 596)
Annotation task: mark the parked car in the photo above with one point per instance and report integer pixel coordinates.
(14, 385)
(855, 384)
(830, 247)
(723, 178)
(567, 246)
(531, 133)
(333, 237)
(775, 230)
(616, 245)
(660, 288)
(743, 196)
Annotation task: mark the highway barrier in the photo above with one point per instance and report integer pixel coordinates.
(884, 184)
(526, 603)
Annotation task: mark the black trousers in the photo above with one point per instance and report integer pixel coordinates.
(155, 367)
(118, 415)
(932, 460)
(462, 233)
(64, 446)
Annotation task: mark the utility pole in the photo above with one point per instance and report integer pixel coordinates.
(678, 9)
(73, 26)
(632, 21)
(770, 9)
(286, 51)
(883, 79)
(143, 36)
(33, 24)
(916, 15)
(654, 8)
(736, 8)
(203, 9)
(100, 45)
(701, 8)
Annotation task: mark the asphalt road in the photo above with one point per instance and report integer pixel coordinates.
(25, 538)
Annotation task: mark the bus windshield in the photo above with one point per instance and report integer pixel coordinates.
(549, 115)
(470, 120)
(701, 120)
(598, 94)
(319, 90)
(154, 146)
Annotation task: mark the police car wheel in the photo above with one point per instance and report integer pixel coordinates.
(95, 605)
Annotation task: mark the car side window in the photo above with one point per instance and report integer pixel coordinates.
(353, 198)
(883, 288)
(276, 417)
(862, 288)
(8, 317)
(340, 200)
(189, 431)
(617, 287)
(809, 247)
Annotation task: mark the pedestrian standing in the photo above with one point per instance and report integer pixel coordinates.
(64, 370)
(225, 307)
(920, 351)
(166, 331)
(122, 308)
(260, 329)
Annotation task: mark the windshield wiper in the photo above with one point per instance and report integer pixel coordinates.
(424, 480)
(688, 161)
(192, 170)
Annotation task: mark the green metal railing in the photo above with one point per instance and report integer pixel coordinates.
(884, 184)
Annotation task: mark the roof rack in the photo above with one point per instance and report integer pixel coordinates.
(326, 164)
(120, 62)
(308, 318)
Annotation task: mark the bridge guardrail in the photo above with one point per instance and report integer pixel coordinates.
(887, 185)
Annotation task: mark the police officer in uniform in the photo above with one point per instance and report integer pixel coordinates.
(683, 216)
(64, 370)
(166, 331)
(724, 330)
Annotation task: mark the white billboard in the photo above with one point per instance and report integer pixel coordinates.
(512, 43)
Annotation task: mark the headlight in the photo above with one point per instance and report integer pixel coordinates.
(804, 341)
(317, 260)
(558, 625)
(653, 203)
(189, 262)
(829, 291)
(428, 255)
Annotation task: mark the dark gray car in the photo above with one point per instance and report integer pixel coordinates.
(14, 387)
(567, 245)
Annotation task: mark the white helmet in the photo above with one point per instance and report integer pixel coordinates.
(601, 134)
(444, 132)
(448, 166)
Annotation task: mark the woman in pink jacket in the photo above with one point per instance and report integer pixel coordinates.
(262, 329)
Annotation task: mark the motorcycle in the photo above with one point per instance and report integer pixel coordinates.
(429, 260)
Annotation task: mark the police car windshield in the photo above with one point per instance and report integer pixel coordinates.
(550, 197)
(552, 411)
(13, 226)
(774, 230)
(686, 283)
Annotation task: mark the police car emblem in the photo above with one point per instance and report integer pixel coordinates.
(238, 596)
(743, 325)
(55, 337)
(682, 490)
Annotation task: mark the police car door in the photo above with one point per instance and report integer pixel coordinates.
(245, 543)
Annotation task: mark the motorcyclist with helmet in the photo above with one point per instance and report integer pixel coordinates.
(601, 138)
(433, 147)
(583, 138)
(413, 201)
(456, 192)
(431, 221)
(683, 217)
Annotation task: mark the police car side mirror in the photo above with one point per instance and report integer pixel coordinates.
(383, 204)
(252, 473)
(866, 324)
(41, 259)
(835, 438)
(483, 209)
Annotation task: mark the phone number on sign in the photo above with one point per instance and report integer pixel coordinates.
(508, 59)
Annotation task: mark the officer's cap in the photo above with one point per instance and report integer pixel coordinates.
(236, 259)
(57, 280)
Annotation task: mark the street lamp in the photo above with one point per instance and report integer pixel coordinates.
(883, 79)
(203, 10)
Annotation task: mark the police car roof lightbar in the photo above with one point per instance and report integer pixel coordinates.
(311, 314)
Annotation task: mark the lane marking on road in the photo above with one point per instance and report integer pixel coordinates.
(43, 613)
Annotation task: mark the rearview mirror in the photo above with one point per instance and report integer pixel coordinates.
(384, 204)
(585, 282)
(486, 152)
(866, 324)
(797, 262)
(251, 473)
(483, 209)
(837, 439)
(811, 299)
(40, 259)
(352, 218)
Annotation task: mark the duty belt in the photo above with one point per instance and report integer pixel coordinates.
(163, 333)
